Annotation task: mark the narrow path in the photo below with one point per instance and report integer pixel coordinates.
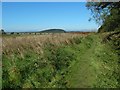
(84, 71)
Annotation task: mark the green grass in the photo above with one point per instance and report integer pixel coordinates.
(85, 63)
(96, 65)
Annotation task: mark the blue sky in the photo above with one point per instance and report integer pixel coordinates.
(36, 16)
(0, 15)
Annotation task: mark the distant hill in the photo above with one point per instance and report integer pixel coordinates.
(53, 31)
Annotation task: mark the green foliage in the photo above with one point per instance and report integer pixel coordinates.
(96, 65)
(61, 57)
(106, 14)
(99, 11)
(87, 62)
(34, 70)
(112, 22)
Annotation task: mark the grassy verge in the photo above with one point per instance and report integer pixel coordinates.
(96, 65)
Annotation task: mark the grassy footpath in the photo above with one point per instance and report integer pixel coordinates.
(96, 65)
(84, 62)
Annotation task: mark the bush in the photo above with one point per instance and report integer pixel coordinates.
(12, 33)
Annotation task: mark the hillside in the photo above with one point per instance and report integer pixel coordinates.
(57, 61)
(53, 31)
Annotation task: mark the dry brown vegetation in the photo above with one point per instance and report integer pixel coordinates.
(35, 42)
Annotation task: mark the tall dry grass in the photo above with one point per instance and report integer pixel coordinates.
(19, 44)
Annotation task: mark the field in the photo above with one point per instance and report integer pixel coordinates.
(63, 60)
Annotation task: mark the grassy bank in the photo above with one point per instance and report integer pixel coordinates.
(70, 60)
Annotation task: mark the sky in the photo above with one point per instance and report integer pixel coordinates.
(0, 15)
(45, 0)
(37, 16)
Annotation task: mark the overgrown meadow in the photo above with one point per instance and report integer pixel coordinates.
(63, 60)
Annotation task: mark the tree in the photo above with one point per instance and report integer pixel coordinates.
(105, 14)
(12, 33)
(3, 32)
